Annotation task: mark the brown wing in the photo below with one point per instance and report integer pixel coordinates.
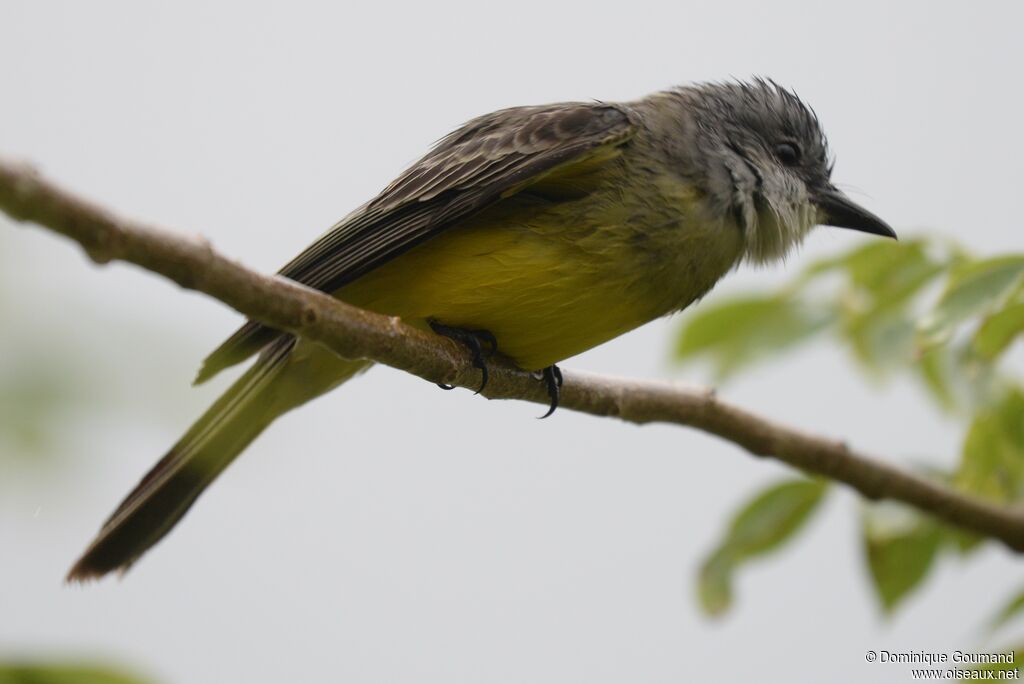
(489, 158)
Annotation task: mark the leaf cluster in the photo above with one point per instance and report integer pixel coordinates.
(922, 307)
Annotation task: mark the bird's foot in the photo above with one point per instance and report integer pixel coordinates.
(552, 376)
(473, 340)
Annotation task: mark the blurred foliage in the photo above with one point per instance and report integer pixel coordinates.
(43, 673)
(762, 526)
(900, 547)
(36, 393)
(56, 367)
(1011, 610)
(922, 307)
(37, 387)
(737, 332)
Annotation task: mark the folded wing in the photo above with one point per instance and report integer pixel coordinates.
(488, 159)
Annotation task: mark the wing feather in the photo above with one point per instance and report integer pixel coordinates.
(487, 159)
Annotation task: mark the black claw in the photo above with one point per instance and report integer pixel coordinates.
(489, 338)
(471, 339)
(552, 376)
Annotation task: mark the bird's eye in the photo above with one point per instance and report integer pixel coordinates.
(788, 153)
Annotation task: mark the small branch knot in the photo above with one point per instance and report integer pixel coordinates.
(310, 317)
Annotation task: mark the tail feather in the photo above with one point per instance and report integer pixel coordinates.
(247, 341)
(276, 383)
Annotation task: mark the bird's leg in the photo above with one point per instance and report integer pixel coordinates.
(472, 340)
(552, 376)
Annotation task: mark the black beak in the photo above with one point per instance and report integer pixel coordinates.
(836, 209)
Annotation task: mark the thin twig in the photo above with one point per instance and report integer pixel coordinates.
(355, 333)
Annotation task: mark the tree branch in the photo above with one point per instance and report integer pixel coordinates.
(354, 333)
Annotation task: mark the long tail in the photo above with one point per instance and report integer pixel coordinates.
(285, 376)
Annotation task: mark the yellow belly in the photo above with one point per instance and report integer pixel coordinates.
(547, 282)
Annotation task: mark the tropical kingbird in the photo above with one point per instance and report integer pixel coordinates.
(541, 231)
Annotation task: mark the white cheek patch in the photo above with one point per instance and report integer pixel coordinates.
(783, 219)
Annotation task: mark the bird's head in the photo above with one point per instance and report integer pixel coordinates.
(766, 165)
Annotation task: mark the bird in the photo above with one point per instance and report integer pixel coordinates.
(540, 231)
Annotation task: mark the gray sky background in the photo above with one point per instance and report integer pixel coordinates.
(392, 532)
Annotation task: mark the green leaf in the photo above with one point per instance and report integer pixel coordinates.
(998, 331)
(763, 525)
(38, 673)
(957, 379)
(714, 582)
(740, 331)
(972, 289)
(892, 271)
(960, 540)
(936, 369)
(1009, 611)
(900, 546)
(882, 339)
(884, 278)
(992, 462)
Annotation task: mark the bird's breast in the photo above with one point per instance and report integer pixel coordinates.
(551, 280)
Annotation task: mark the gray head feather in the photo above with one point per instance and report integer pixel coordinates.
(764, 156)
